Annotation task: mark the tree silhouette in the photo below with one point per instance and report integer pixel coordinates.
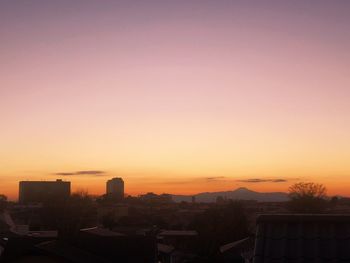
(3, 202)
(69, 215)
(307, 198)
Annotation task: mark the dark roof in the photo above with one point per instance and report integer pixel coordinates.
(162, 248)
(127, 249)
(240, 244)
(101, 232)
(48, 234)
(4, 227)
(178, 233)
(302, 238)
(68, 252)
(16, 246)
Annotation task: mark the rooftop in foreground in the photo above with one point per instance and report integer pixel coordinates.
(302, 238)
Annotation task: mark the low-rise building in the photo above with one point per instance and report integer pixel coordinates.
(41, 191)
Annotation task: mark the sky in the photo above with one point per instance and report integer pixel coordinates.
(175, 96)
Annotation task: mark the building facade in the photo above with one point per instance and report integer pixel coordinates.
(115, 188)
(40, 191)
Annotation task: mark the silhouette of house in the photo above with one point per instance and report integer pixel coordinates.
(91, 245)
(18, 248)
(238, 251)
(302, 238)
(181, 239)
(67, 252)
(165, 253)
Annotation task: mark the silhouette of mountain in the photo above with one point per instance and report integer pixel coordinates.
(241, 193)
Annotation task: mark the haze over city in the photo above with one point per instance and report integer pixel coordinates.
(178, 97)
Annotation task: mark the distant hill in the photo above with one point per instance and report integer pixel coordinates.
(238, 194)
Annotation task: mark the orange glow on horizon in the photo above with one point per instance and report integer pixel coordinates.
(169, 95)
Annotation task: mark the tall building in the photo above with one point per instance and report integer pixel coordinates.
(115, 188)
(39, 191)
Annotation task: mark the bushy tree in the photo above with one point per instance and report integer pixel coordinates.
(307, 198)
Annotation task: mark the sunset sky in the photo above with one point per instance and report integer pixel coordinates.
(175, 96)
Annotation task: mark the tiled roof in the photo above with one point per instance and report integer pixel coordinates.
(302, 238)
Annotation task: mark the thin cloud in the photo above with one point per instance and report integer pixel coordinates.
(64, 174)
(92, 172)
(211, 179)
(259, 180)
(215, 178)
(84, 172)
(279, 180)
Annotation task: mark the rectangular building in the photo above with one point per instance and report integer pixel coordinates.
(115, 188)
(39, 191)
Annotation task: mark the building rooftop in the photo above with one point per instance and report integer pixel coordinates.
(165, 248)
(101, 231)
(235, 245)
(44, 181)
(69, 252)
(302, 238)
(47, 233)
(178, 233)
